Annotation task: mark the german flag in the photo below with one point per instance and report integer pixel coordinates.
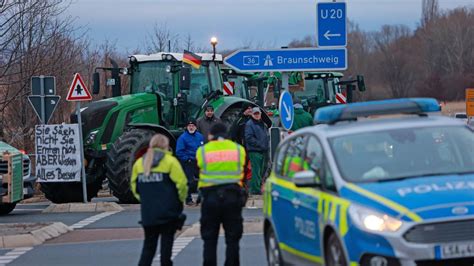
(191, 58)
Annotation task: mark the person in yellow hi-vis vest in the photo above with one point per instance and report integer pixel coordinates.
(221, 163)
(160, 184)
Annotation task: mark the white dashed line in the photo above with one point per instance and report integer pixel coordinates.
(13, 255)
(178, 245)
(91, 219)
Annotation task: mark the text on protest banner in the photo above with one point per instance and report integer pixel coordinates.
(58, 157)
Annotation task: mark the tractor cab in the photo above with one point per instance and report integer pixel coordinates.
(182, 89)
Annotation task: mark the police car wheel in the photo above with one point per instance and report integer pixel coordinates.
(273, 249)
(333, 252)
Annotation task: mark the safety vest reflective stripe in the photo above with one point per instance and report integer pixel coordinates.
(221, 162)
(221, 156)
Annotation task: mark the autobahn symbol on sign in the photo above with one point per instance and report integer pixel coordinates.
(332, 24)
(298, 59)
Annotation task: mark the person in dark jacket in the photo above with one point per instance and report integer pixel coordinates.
(302, 118)
(186, 147)
(237, 132)
(257, 142)
(158, 181)
(205, 123)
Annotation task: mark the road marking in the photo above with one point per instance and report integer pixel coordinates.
(91, 219)
(13, 255)
(178, 245)
(27, 210)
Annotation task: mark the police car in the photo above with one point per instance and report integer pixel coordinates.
(396, 190)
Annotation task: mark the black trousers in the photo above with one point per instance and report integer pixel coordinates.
(191, 170)
(152, 233)
(221, 206)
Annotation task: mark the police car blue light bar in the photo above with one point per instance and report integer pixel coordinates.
(343, 112)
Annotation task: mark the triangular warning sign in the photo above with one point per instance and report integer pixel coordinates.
(78, 90)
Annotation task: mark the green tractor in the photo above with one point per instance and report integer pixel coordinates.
(164, 93)
(314, 89)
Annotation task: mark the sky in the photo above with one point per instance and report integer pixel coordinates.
(268, 23)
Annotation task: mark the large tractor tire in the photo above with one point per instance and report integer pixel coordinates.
(6, 208)
(120, 158)
(231, 116)
(69, 191)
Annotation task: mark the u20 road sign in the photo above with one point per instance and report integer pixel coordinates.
(332, 24)
(298, 59)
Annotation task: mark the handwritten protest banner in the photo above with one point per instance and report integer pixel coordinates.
(58, 157)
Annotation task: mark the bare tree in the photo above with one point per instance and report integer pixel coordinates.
(396, 63)
(162, 39)
(307, 41)
(430, 10)
(35, 40)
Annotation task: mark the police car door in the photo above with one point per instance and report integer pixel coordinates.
(307, 232)
(283, 194)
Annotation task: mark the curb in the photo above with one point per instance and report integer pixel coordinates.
(83, 207)
(35, 237)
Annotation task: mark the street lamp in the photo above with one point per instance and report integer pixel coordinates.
(213, 43)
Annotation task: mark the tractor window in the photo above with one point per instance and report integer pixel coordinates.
(313, 91)
(199, 89)
(215, 75)
(332, 89)
(152, 76)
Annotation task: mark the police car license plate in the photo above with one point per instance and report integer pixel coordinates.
(457, 250)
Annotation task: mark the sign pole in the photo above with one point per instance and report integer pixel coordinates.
(284, 81)
(43, 109)
(83, 169)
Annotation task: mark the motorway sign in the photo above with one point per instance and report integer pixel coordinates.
(287, 111)
(49, 85)
(78, 90)
(299, 59)
(332, 24)
(50, 102)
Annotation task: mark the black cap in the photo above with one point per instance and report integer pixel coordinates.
(209, 107)
(219, 130)
(191, 121)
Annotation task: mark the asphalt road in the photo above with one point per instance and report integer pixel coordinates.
(117, 240)
(127, 252)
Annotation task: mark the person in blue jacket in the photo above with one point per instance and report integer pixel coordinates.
(186, 148)
(257, 144)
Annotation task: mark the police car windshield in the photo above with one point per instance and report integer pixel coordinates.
(404, 153)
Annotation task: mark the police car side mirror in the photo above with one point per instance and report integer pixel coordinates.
(306, 178)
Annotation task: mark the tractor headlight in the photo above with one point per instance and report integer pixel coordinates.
(91, 137)
(373, 221)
